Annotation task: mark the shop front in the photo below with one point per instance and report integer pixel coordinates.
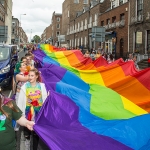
(109, 45)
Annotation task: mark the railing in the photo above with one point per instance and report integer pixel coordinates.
(106, 27)
(122, 23)
(137, 19)
(115, 24)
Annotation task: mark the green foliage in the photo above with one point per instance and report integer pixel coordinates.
(36, 39)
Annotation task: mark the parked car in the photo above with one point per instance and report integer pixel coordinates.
(8, 60)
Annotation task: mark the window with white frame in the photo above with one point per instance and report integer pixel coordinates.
(85, 1)
(72, 42)
(95, 17)
(78, 25)
(85, 40)
(76, 1)
(108, 21)
(75, 42)
(58, 19)
(81, 41)
(122, 17)
(78, 41)
(75, 26)
(90, 20)
(57, 33)
(148, 40)
(85, 21)
(68, 14)
(81, 23)
(120, 2)
(113, 4)
(58, 26)
(139, 8)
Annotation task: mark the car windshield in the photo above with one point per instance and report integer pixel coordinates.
(4, 53)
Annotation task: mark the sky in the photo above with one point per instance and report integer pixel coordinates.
(38, 14)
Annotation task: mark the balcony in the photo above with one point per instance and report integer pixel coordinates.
(81, 28)
(71, 32)
(122, 23)
(90, 25)
(95, 24)
(85, 27)
(137, 19)
(106, 27)
(113, 25)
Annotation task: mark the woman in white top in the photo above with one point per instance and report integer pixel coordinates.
(31, 98)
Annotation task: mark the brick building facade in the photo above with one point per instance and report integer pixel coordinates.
(5, 21)
(80, 29)
(115, 21)
(23, 36)
(56, 28)
(2, 15)
(51, 33)
(139, 35)
(46, 34)
(114, 17)
(70, 8)
(15, 31)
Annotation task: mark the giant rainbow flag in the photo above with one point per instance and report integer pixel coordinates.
(92, 105)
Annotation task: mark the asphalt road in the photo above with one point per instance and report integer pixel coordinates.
(20, 136)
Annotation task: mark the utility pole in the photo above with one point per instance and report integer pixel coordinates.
(20, 30)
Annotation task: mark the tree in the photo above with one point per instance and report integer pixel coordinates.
(36, 39)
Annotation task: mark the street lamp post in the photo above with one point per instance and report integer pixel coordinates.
(20, 29)
(31, 36)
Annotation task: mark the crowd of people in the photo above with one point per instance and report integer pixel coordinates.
(29, 96)
(109, 57)
(96, 54)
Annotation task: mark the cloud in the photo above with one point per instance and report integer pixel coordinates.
(38, 14)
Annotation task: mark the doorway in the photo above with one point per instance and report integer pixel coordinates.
(121, 47)
(108, 46)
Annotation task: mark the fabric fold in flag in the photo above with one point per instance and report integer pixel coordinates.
(106, 99)
(58, 125)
